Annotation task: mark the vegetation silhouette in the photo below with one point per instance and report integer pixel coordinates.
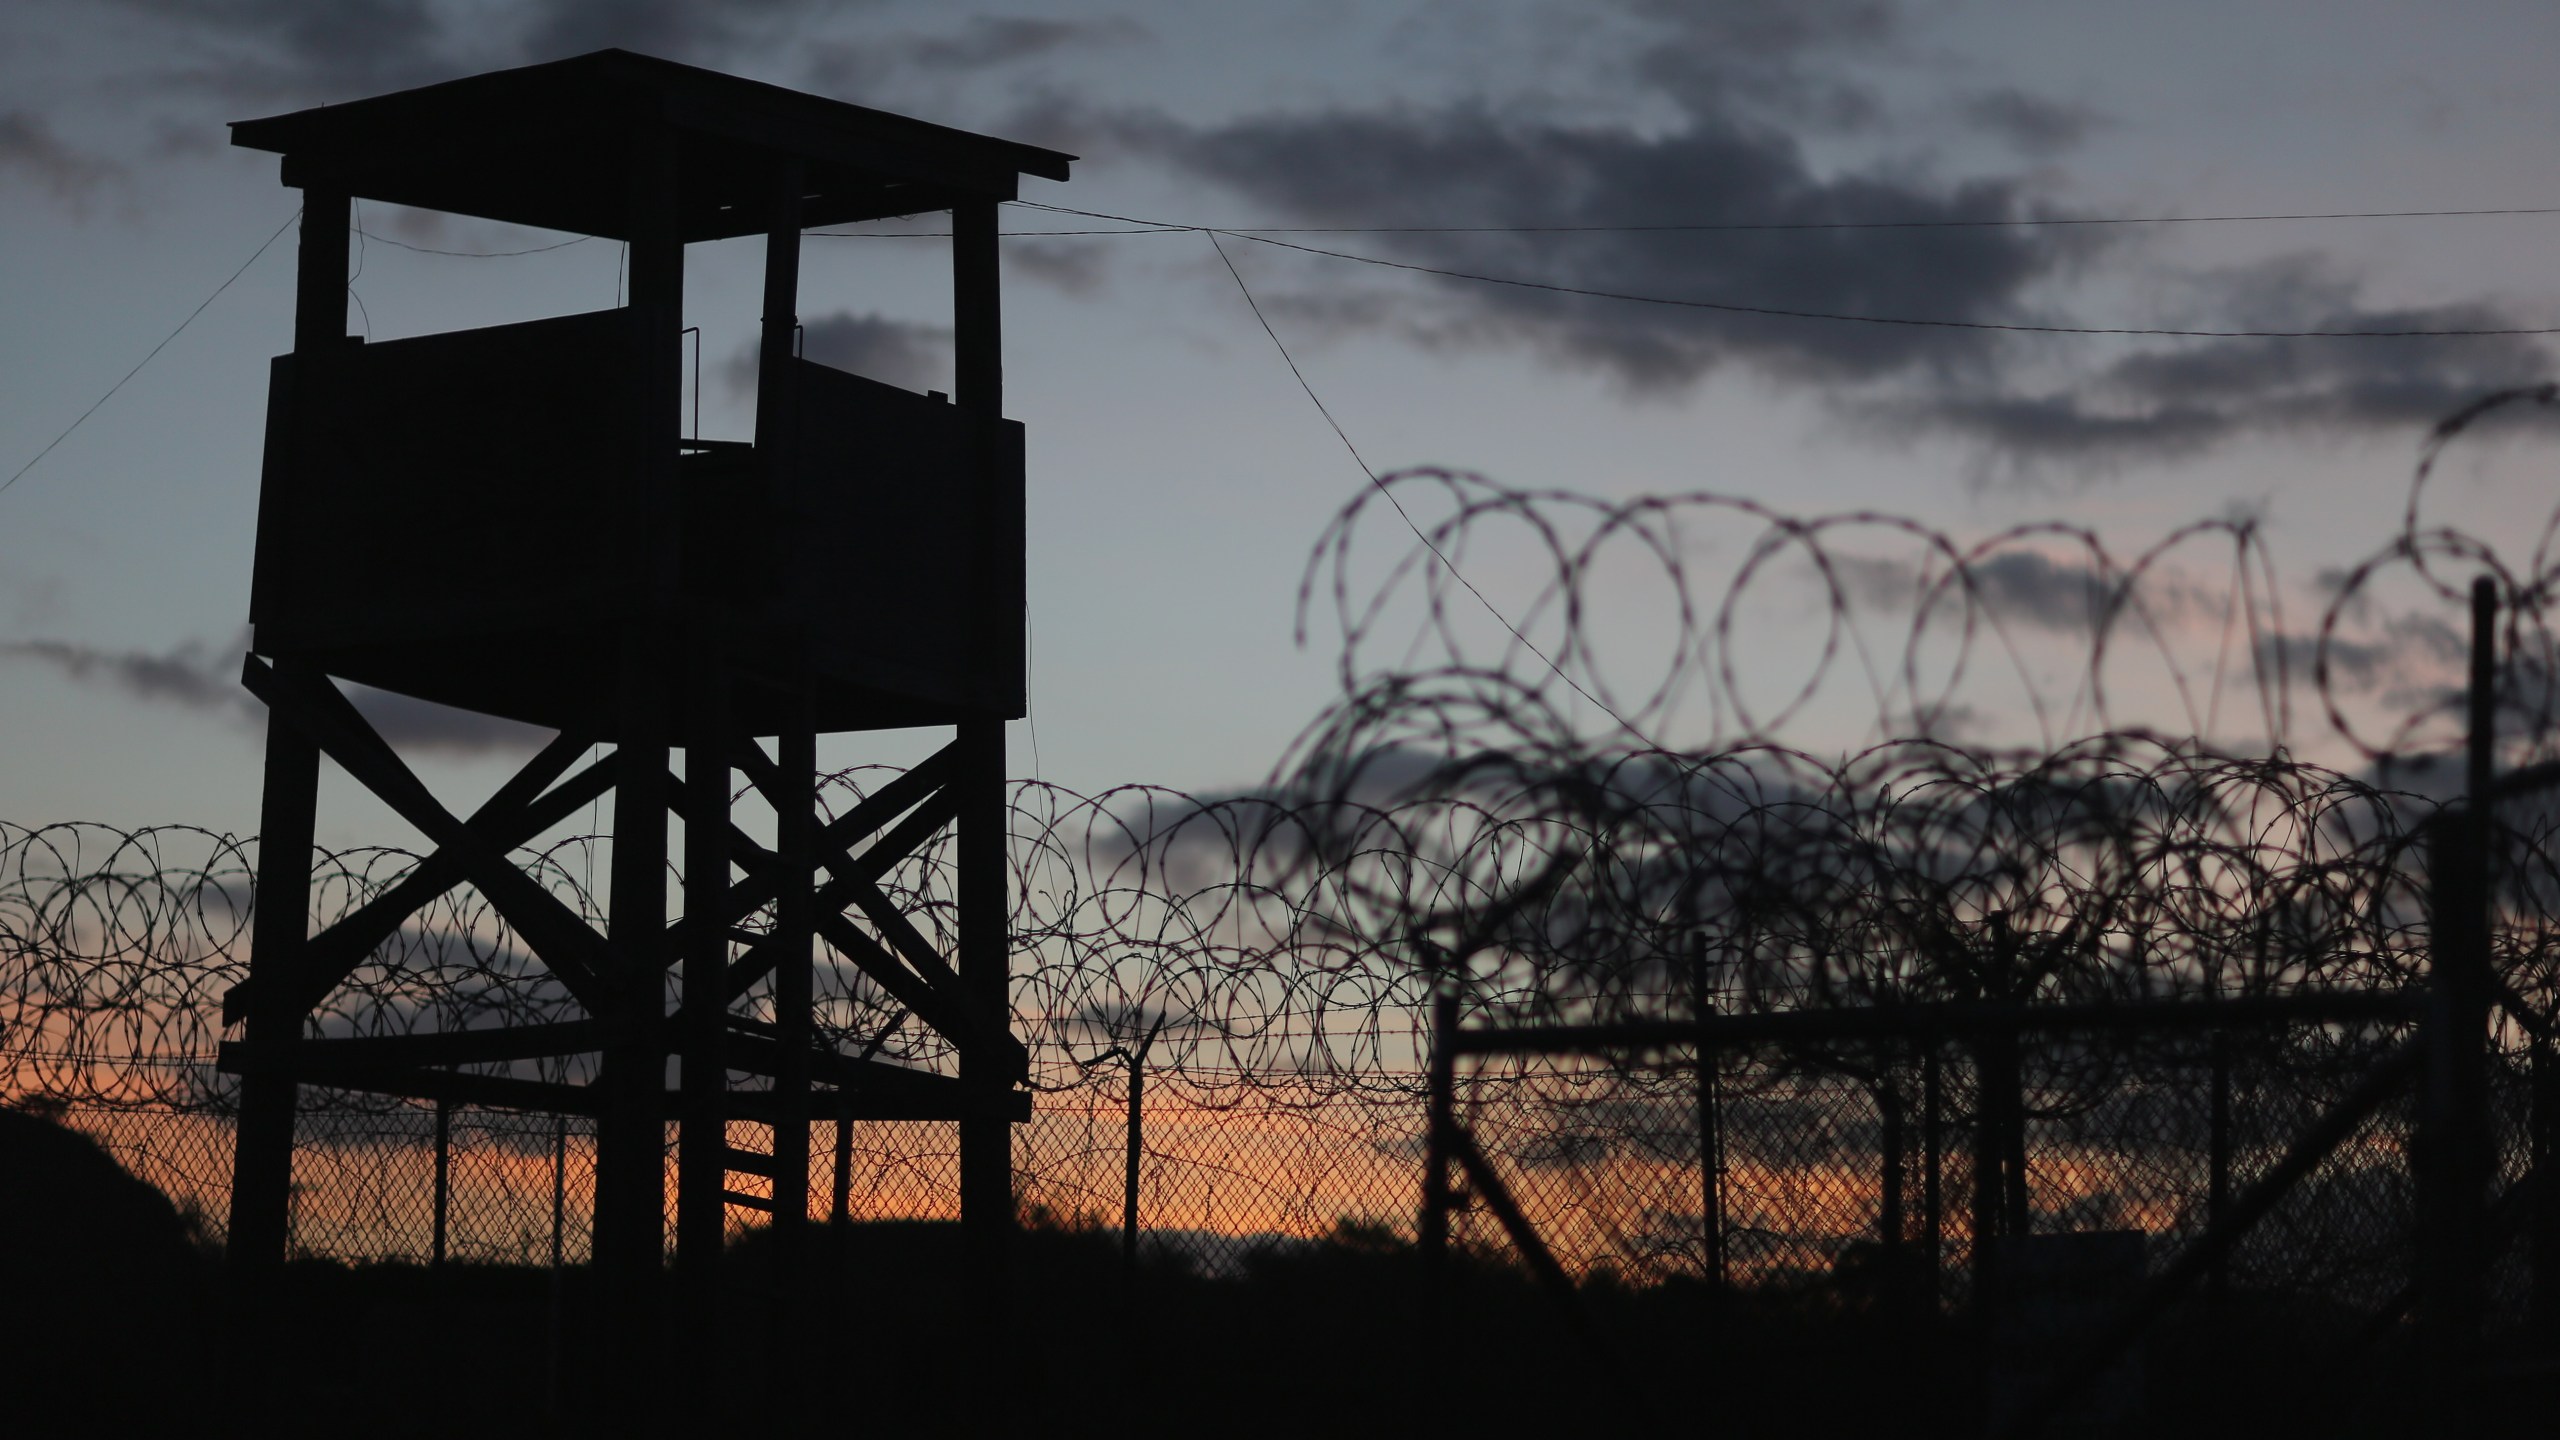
(106, 1289)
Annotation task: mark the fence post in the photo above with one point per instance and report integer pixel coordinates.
(2217, 1202)
(839, 1203)
(2544, 1177)
(1710, 1125)
(559, 1205)
(2454, 1155)
(444, 1181)
(1432, 1227)
(1889, 1208)
(1986, 1172)
(1932, 1152)
(1129, 1180)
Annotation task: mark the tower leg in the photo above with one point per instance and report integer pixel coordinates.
(262, 1161)
(631, 1136)
(986, 1138)
(795, 924)
(702, 1168)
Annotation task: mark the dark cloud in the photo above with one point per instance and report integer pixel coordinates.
(689, 30)
(205, 677)
(1470, 166)
(1748, 81)
(1007, 39)
(1777, 58)
(30, 148)
(893, 351)
(2406, 660)
(2034, 124)
(2178, 400)
(2068, 592)
(985, 42)
(301, 51)
(1073, 266)
(196, 675)
(291, 50)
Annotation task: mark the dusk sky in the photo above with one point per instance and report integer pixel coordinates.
(1178, 471)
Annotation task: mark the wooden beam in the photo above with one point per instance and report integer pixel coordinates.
(262, 1154)
(516, 814)
(777, 415)
(565, 943)
(703, 942)
(461, 1087)
(1011, 1107)
(850, 875)
(749, 1162)
(977, 315)
(991, 1066)
(431, 1048)
(943, 1015)
(320, 274)
(794, 944)
(918, 785)
(762, 1054)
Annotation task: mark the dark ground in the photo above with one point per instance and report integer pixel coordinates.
(117, 1323)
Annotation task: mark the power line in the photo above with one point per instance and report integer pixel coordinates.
(1759, 225)
(1841, 317)
(472, 254)
(1701, 228)
(1005, 234)
(1401, 513)
(155, 351)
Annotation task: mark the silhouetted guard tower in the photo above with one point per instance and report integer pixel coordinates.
(512, 520)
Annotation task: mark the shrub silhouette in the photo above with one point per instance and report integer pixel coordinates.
(106, 1287)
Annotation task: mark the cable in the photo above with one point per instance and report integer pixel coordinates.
(155, 351)
(1783, 312)
(1366, 469)
(1004, 234)
(1757, 225)
(473, 254)
(361, 255)
(1723, 227)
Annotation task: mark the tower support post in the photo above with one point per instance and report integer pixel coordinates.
(262, 1166)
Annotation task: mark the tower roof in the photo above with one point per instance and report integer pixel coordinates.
(562, 145)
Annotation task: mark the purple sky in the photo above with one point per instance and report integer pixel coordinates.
(1179, 473)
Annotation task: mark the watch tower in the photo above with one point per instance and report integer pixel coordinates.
(512, 520)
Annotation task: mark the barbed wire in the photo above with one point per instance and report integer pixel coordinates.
(1457, 816)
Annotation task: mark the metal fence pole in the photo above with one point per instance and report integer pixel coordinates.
(839, 1203)
(1136, 1145)
(444, 1181)
(1432, 1227)
(2217, 1201)
(2545, 1195)
(1890, 1225)
(2455, 1155)
(558, 1318)
(1932, 1163)
(1987, 1150)
(1710, 1127)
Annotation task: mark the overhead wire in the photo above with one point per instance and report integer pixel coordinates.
(1380, 486)
(1835, 316)
(154, 353)
(1713, 227)
(1265, 235)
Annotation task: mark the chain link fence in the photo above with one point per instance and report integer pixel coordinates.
(1837, 1184)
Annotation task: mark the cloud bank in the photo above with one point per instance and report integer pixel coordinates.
(204, 677)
